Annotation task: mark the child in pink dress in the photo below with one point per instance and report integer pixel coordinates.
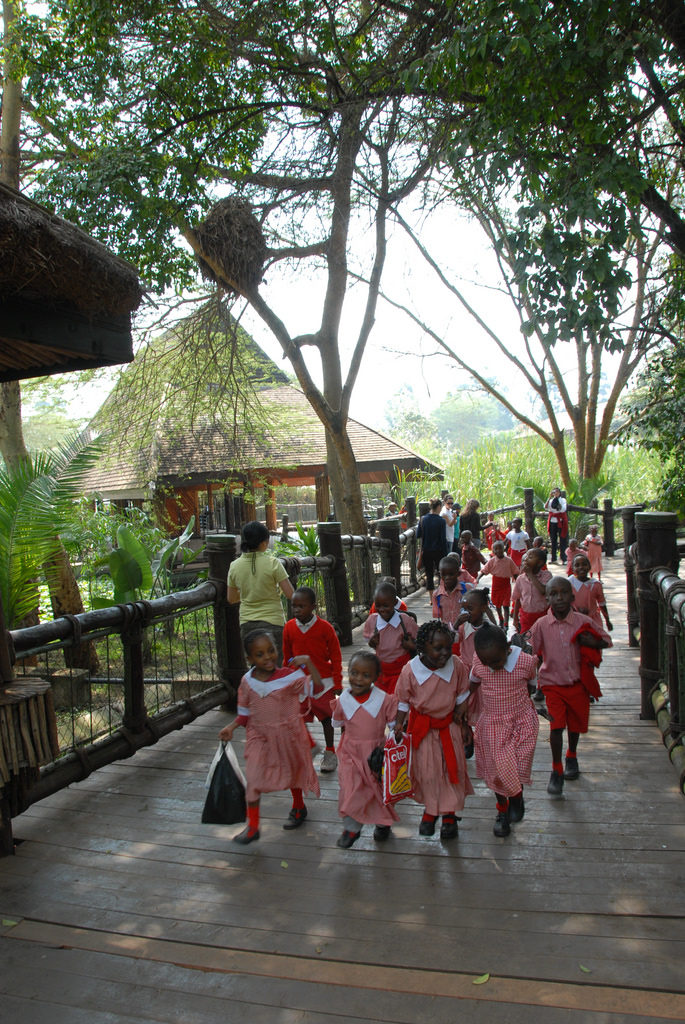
(572, 550)
(503, 570)
(593, 544)
(363, 712)
(277, 750)
(507, 730)
(432, 692)
(474, 615)
(391, 634)
(588, 594)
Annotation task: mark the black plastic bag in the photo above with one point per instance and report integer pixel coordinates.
(225, 803)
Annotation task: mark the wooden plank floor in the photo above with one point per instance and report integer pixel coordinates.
(120, 907)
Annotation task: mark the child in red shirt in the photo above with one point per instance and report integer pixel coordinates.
(306, 633)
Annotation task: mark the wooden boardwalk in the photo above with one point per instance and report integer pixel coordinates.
(121, 908)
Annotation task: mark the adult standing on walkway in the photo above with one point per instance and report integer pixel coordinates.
(256, 580)
(470, 520)
(451, 517)
(432, 531)
(557, 523)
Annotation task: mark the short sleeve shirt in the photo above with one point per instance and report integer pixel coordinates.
(257, 574)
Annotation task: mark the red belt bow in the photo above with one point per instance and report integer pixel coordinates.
(419, 727)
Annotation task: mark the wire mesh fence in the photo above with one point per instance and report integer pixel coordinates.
(179, 661)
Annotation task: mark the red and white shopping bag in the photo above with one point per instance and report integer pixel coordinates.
(397, 769)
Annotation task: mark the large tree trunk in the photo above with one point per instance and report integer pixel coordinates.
(345, 484)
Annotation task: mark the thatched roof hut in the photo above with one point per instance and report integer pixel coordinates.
(65, 300)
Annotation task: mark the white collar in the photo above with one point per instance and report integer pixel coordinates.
(305, 626)
(512, 658)
(422, 672)
(351, 705)
(469, 628)
(577, 584)
(382, 623)
(263, 689)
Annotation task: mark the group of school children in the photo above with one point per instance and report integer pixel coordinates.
(456, 685)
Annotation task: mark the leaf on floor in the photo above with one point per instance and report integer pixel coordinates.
(482, 979)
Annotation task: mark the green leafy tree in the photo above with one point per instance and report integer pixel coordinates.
(157, 109)
(655, 414)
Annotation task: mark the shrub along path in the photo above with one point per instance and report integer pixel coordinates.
(121, 907)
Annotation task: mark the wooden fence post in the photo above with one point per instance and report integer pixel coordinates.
(629, 538)
(221, 550)
(391, 561)
(529, 511)
(410, 508)
(656, 546)
(335, 584)
(609, 536)
(285, 523)
(424, 508)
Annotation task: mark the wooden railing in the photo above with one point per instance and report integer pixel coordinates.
(656, 622)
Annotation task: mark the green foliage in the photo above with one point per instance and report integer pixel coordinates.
(656, 414)
(560, 124)
(37, 499)
(138, 572)
(307, 544)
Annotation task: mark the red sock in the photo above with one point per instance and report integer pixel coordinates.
(331, 748)
(428, 817)
(571, 754)
(449, 819)
(503, 806)
(253, 818)
(558, 767)
(298, 799)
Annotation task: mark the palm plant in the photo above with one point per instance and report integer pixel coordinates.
(37, 502)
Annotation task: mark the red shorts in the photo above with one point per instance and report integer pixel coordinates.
(528, 618)
(390, 672)
(320, 706)
(569, 707)
(500, 594)
(517, 556)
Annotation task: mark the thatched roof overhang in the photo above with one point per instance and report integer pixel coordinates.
(65, 299)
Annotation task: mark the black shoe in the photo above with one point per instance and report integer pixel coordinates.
(538, 695)
(468, 751)
(427, 828)
(450, 827)
(501, 826)
(381, 833)
(246, 837)
(555, 786)
(296, 817)
(517, 809)
(347, 839)
(571, 769)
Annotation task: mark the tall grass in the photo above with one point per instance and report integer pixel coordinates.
(499, 467)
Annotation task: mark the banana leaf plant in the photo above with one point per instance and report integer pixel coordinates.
(38, 497)
(140, 573)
